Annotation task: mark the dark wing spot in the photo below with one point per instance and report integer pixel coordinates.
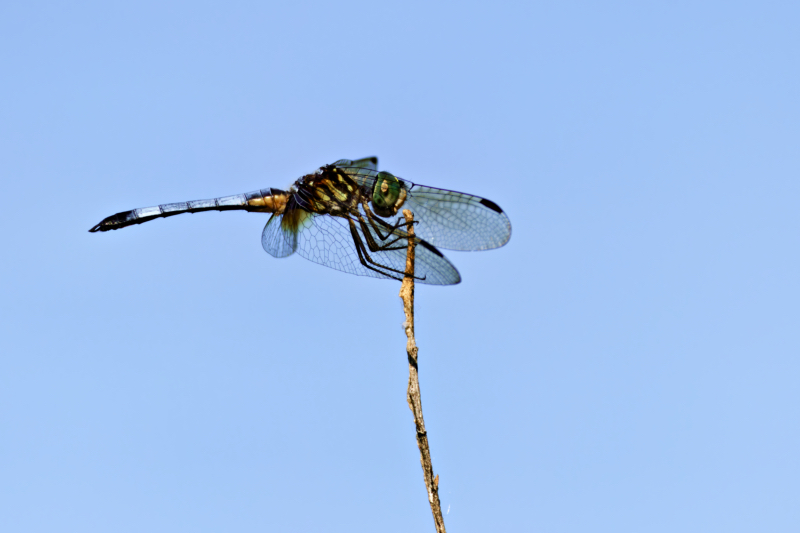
(429, 247)
(491, 205)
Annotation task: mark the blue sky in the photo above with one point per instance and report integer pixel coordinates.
(628, 362)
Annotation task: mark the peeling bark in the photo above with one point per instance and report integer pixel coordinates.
(413, 394)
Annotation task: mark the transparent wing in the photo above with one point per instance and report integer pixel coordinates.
(329, 241)
(276, 241)
(458, 221)
(447, 219)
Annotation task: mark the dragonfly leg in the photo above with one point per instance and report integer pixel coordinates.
(374, 246)
(373, 222)
(391, 229)
(364, 257)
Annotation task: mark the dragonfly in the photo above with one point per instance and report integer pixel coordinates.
(348, 216)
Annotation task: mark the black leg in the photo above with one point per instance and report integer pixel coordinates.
(363, 257)
(373, 219)
(360, 249)
(374, 246)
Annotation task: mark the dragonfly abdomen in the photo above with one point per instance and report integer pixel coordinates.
(264, 200)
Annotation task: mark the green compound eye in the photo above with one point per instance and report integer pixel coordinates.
(388, 195)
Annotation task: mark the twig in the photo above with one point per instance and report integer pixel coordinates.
(413, 395)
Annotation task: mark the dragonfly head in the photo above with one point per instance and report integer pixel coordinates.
(388, 195)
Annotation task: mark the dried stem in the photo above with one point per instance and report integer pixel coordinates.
(413, 395)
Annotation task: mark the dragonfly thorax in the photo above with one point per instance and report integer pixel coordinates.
(329, 191)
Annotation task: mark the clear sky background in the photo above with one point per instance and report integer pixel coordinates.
(628, 362)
